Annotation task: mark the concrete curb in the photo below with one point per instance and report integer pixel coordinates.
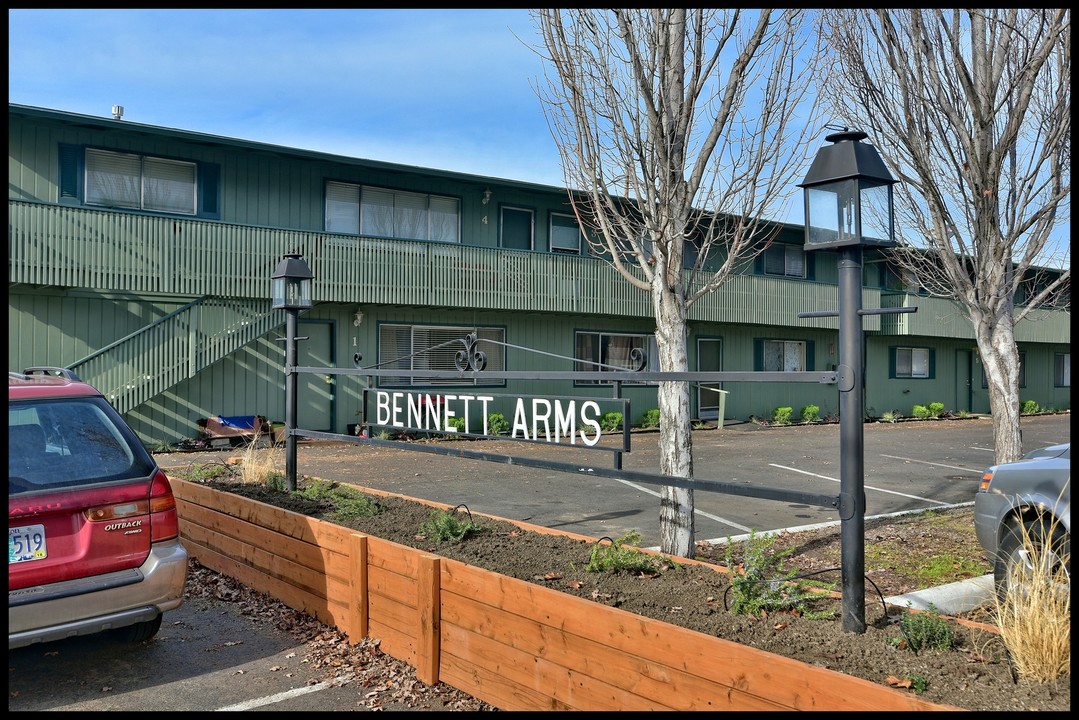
(951, 599)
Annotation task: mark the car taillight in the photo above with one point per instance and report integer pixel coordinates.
(987, 477)
(164, 522)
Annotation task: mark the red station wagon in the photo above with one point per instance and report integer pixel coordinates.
(93, 534)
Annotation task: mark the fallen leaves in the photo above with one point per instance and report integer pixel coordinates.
(383, 682)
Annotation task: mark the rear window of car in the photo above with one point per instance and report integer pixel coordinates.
(62, 443)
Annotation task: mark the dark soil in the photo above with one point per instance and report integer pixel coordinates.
(974, 675)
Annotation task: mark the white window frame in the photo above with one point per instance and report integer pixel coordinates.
(912, 362)
(790, 353)
(140, 182)
(434, 347)
(353, 209)
(793, 260)
(619, 361)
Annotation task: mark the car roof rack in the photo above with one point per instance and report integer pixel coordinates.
(56, 371)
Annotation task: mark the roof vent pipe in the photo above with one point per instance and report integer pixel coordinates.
(118, 112)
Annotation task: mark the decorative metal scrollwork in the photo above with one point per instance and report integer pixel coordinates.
(638, 359)
(470, 358)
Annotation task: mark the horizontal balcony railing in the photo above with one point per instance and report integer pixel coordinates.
(939, 317)
(52, 245)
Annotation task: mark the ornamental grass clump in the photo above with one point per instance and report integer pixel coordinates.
(1034, 613)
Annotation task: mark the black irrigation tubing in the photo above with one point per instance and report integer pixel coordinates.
(467, 511)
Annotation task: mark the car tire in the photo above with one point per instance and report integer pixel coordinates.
(139, 631)
(1013, 550)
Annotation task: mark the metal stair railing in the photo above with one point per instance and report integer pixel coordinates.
(174, 348)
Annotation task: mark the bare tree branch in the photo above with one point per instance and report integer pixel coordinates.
(680, 133)
(972, 111)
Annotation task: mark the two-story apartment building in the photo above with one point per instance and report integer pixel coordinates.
(141, 257)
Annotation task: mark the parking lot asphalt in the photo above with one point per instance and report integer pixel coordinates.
(907, 466)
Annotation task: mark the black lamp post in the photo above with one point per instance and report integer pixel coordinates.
(292, 293)
(848, 205)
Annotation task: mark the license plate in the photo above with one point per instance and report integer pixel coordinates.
(26, 543)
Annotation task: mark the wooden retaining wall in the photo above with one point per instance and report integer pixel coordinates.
(508, 642)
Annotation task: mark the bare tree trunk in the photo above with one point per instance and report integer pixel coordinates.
(675, 428)
(1000, 361)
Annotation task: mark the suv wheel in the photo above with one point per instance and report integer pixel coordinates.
(1024, 546)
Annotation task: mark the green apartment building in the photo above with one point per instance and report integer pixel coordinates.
(141, 257)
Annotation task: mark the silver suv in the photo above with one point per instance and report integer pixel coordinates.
(93, 533)
(1029, 498)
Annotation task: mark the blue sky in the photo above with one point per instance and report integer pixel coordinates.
(445, 89)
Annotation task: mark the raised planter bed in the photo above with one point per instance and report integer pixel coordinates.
(511, 643)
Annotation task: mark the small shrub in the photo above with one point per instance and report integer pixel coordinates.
(782, 415)
(443, 525)
(919, 683)
(496, 423)
(611, 421)
(1029, 407)
(457, 423)
(650, 419)
(927, 630)
(920, 411)
(278, 482)
(765, 583)
(345, 503)
(622, 555)
(891, 416)
(208, 472)
(936, 409)
(963, 414)
(810, 413)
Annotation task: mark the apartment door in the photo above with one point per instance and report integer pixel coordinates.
(316, 394)
(963, 388)
(709, 359)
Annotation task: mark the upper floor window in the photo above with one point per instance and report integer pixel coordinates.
(565, 234)
(435, 347)
(1062, 370)
(516, 228)
(364, 210)
(786, 260)
(783, 355)
(612, 352)
(139, 182)
(912, 362)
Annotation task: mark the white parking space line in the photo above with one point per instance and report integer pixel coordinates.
(979, 471)
(287, 694)
(701, 513)
(867, 487)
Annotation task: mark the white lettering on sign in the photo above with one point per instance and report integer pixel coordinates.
(537, 419)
